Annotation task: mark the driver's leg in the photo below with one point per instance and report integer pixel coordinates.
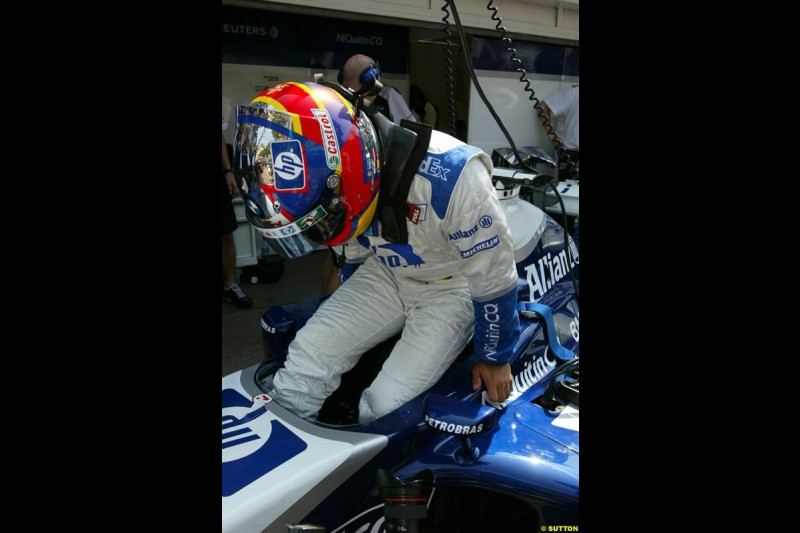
(360, 314)
(438, 326)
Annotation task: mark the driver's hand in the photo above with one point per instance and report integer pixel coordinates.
(497, 379)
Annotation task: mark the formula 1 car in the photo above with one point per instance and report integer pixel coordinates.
(446, 460)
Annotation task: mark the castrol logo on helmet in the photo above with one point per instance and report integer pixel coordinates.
(329, 140)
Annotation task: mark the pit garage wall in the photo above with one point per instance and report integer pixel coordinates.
(524, 20)
(548, 67)
(534, 18)
(261, 48)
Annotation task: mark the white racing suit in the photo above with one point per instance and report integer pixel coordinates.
(456, 277)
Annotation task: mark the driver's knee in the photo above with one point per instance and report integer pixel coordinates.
(377, 401)
(365, 412)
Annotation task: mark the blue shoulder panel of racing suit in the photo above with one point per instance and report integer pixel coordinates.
(442, 171)
(347, 270)
(496, 327)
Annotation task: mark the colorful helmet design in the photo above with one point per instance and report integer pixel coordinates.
(308, 167)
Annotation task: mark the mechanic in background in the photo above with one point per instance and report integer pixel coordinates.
(231, 292)
(358, 70)
(453, 280)
(562, 108)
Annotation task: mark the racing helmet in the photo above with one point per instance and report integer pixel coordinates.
(308, 166)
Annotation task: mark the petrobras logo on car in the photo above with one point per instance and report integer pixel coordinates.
(329, 140)
(454, 429)
(254, 442)
(266, 327)
(288, 164)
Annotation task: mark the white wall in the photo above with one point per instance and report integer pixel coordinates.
(548, 18)
(511, 102)
(240, 83)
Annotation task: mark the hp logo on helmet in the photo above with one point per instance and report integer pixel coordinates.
(287, 157)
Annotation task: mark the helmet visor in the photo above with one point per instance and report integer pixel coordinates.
(269, 161)
(305, 234)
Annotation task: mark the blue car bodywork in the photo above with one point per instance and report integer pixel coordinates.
(447, 457)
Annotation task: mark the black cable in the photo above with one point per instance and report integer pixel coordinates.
(480, 89)
(542, 183)
(451, 94)
(558, 143)
(549, 128)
